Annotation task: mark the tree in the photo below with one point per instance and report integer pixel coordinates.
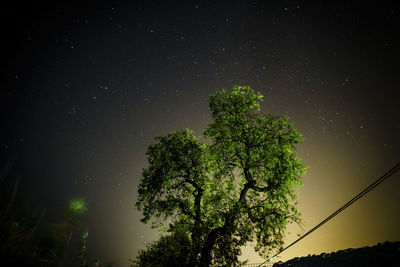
(238, 187)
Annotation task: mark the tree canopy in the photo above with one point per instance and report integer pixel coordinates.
(238, 187)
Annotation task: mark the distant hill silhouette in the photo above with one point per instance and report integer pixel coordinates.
(383, 255)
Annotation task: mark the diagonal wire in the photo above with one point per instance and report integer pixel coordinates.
(354, 199)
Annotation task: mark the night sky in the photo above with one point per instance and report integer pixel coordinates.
(86, 88)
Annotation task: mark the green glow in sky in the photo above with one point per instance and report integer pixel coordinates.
(77, 206)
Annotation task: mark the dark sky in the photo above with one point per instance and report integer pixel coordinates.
(86, 88)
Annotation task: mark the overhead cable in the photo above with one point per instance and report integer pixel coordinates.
(354, 199)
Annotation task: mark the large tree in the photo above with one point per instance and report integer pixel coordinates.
(239, 186)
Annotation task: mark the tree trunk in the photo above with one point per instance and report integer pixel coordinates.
(205, 259)
(226, 229)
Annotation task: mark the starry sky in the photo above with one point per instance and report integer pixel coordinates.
(86, 88)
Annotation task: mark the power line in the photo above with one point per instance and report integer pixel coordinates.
(354, 199)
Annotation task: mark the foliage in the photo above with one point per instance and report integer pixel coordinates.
(169, 250)
(82, 253)
(20, 244)
(237, 188)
